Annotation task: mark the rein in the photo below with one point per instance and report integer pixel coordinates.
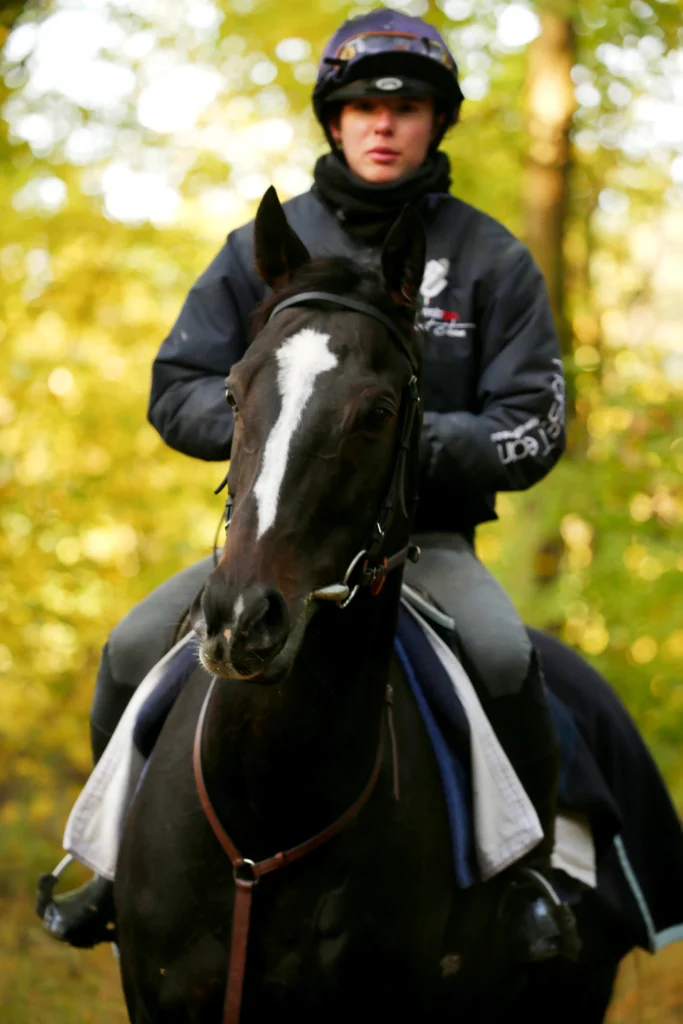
(366, 569)
(248, 873)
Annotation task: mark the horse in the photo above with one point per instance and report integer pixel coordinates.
(299, 733)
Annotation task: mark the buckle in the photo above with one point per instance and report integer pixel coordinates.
(244, 873)
(353, 587)
(376, 577)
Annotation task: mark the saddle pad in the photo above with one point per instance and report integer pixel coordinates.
(492, 820)
(94, 827)
(489, 832)
(639, 871)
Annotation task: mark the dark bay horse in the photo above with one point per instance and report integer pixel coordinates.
(369, 925)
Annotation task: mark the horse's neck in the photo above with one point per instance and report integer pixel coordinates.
(283, 761)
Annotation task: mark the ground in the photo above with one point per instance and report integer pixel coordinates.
(43, 982)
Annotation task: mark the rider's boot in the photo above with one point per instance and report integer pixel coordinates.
(539, 926)
(82, 917)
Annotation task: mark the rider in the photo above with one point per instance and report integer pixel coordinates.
(386, 93)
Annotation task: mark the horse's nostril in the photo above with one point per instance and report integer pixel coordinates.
(275, 612)
(246, 631)
(264, 621)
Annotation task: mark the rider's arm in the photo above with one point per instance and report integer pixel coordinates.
(187, 402)
(517, 434)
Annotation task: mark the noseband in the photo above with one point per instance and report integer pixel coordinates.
(366, 569)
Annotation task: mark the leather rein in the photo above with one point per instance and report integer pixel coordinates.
(365, 569)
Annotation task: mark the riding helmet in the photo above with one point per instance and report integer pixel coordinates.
(387, 53)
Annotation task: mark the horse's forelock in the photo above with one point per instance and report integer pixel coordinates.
(338, 275)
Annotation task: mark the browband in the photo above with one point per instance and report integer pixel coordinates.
(347, 303)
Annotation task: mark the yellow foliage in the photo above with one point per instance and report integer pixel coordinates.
(607, 420)
(673, 645)
(594, 638)
(488, 547)
(576, 532)
(644, 650)
(634, 555)
(587, 357)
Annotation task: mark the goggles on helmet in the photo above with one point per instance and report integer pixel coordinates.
(369, 43)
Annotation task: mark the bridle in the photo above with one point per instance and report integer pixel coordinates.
(367, 568)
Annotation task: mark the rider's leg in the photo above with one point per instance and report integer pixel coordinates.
(506, 673)
(83, 916)
(136, 644)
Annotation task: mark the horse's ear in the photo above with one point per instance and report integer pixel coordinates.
(278, 250)
(403, 256)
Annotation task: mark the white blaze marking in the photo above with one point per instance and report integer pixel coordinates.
(301, 359)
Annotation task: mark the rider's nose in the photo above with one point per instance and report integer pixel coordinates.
(384, 121)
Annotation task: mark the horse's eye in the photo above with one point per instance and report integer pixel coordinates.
(378, 417)
(232, 401)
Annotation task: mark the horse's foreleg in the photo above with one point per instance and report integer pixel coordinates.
(135, 1005)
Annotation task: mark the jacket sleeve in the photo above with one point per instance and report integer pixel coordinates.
(517, 433)
(187, 401)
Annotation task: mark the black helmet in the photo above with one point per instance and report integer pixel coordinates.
(386, 53)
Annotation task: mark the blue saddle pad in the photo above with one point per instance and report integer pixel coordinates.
(582, 788)
(155, 710)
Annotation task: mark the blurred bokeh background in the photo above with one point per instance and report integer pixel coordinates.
(134, 135)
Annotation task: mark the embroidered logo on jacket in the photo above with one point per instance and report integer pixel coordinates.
(439, 322)
(434, 279)
(538, 437)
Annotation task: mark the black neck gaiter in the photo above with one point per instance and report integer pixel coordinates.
(367, 211)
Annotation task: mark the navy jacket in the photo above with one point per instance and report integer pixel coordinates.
(493, 384)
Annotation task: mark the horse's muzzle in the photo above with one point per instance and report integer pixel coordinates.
(240, 637)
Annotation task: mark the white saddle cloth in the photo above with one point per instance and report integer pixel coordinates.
(506, 824)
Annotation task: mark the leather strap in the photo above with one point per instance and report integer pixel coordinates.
(241, 917)
(375, 576)
(358, 306)
(248, 873)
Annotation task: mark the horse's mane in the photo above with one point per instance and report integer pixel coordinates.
(340, 276)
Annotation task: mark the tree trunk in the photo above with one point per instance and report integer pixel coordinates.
(549, 105)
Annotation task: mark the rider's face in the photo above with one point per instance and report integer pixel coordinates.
(384, 139)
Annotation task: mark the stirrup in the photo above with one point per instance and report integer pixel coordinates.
(562, 914)
(47, 883)
(71, 918)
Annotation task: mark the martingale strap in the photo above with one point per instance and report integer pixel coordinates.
(248, 873)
